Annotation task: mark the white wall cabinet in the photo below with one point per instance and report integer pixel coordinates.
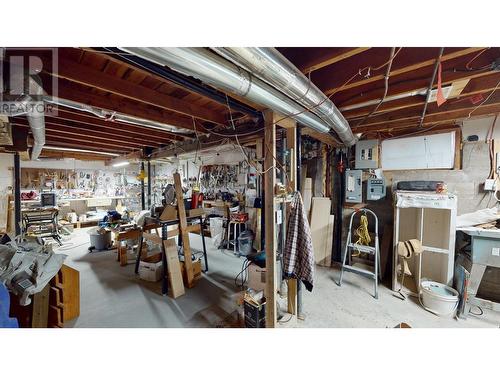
(430, 218)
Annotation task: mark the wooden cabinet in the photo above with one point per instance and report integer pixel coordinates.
(430, 218)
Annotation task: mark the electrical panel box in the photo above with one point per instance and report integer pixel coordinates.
(375, 189)
(353, 186)
(367, 154)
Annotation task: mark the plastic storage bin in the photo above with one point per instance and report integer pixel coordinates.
(100, 241)
(438, 298)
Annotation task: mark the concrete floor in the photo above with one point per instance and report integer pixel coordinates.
(113, 296)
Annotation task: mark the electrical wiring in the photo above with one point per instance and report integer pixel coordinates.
(416, 132)
(243, 274)
(449, 70)
(467, 66)
(485, 100)
(491, 151)
(368, 70)
(431, 84)
(198, 139)
(386, 87)
(234, 135)
(247, 159)
(360, 72)
(481, 312)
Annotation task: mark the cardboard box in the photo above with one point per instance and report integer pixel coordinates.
(196, 271)
(255, 311)
(150, 271)
(256, 277)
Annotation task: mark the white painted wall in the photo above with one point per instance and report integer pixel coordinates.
(480, 127)
(67, 163)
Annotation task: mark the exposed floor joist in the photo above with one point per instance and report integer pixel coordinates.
(335, 57)
(403, 70)
(93, 78)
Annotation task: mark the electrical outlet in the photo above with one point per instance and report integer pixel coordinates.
(489, 184)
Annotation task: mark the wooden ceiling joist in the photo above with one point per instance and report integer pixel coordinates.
(63, 127)
(480, 79)
(53, 132)
(413, 101)
(59, 154)
(93, 78)
(90, 121)
(432, 118)
(58, 142)
(406, 69)
(322, 137)
(448, 107)
(335, 57)
(156, 82)
(124, 106)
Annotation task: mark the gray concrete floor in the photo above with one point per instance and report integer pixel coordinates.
(113, 296)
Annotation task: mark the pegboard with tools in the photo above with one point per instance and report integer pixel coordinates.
(214, 177)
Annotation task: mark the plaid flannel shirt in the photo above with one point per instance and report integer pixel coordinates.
(298, 255)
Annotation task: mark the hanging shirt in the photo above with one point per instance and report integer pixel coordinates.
(298, 255)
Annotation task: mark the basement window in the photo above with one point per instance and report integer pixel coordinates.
(435, 151)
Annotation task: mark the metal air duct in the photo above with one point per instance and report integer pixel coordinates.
(32, 106)
(216, 71)
(115, 116)
(271, 66)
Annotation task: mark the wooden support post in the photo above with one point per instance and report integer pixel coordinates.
(291, 141)
(143, 197)
(324, 162)
(181, 210)
(150, 182)
(269, 182)
(17, 194)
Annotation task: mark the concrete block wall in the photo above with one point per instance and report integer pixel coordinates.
(466, 183)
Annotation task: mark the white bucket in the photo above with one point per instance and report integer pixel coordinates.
(438, 298)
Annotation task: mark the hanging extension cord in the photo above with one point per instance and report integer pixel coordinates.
(362, 233)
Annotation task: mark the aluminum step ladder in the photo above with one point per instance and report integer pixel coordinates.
(373, 250)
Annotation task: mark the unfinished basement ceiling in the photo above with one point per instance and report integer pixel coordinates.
(352, 77)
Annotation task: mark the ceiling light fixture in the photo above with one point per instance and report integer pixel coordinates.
(121, 164)
(80, 150)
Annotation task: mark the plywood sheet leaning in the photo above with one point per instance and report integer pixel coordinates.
(307, 196)
(175, 283)
(181, 210)
(320, 219)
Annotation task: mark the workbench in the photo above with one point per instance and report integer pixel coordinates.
(41, 222)
(165, 235)
(485, 252)
(124, 232)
